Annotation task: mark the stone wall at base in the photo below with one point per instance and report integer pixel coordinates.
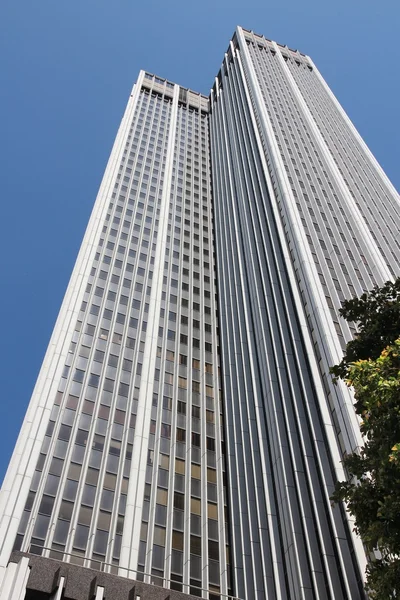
(81, 583)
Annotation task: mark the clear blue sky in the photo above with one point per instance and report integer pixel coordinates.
(67, 68)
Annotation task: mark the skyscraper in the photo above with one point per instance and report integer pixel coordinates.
(304, 218)
(184, 429)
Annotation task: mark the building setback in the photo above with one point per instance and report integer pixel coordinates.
(184, 430)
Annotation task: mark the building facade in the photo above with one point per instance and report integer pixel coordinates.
(304, 218)
(184, 430)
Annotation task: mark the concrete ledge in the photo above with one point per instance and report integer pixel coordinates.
(81, 583)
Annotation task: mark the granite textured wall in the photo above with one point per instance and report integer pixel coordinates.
(81, 583)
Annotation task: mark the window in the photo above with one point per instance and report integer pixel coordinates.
(181, 435)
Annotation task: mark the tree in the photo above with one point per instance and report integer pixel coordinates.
(371, 366)
(377, 314)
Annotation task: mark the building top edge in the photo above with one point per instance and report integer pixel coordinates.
(161, 84)
(170, 84)
(249, 33)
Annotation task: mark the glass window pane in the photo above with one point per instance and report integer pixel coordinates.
(195, 506)
(104, 520)
(89, 492)
(159, 536)
(51, 485)
(158, 557)
(61, 532)
(56, 466)
(46, 505)
(81, 536)
(100, 542)
(74, 471)
(85, 515)
(107, 499)
(162, 496)
(66, 510)
(177, 540)
(92, 476)
(41, 526)
(70, 489)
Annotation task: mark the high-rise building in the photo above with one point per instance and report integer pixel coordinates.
(304, 218)
(184, 430)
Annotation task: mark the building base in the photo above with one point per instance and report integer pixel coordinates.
(31, 577)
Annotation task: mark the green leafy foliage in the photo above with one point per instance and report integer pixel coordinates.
(371, 367)
(377, 315)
